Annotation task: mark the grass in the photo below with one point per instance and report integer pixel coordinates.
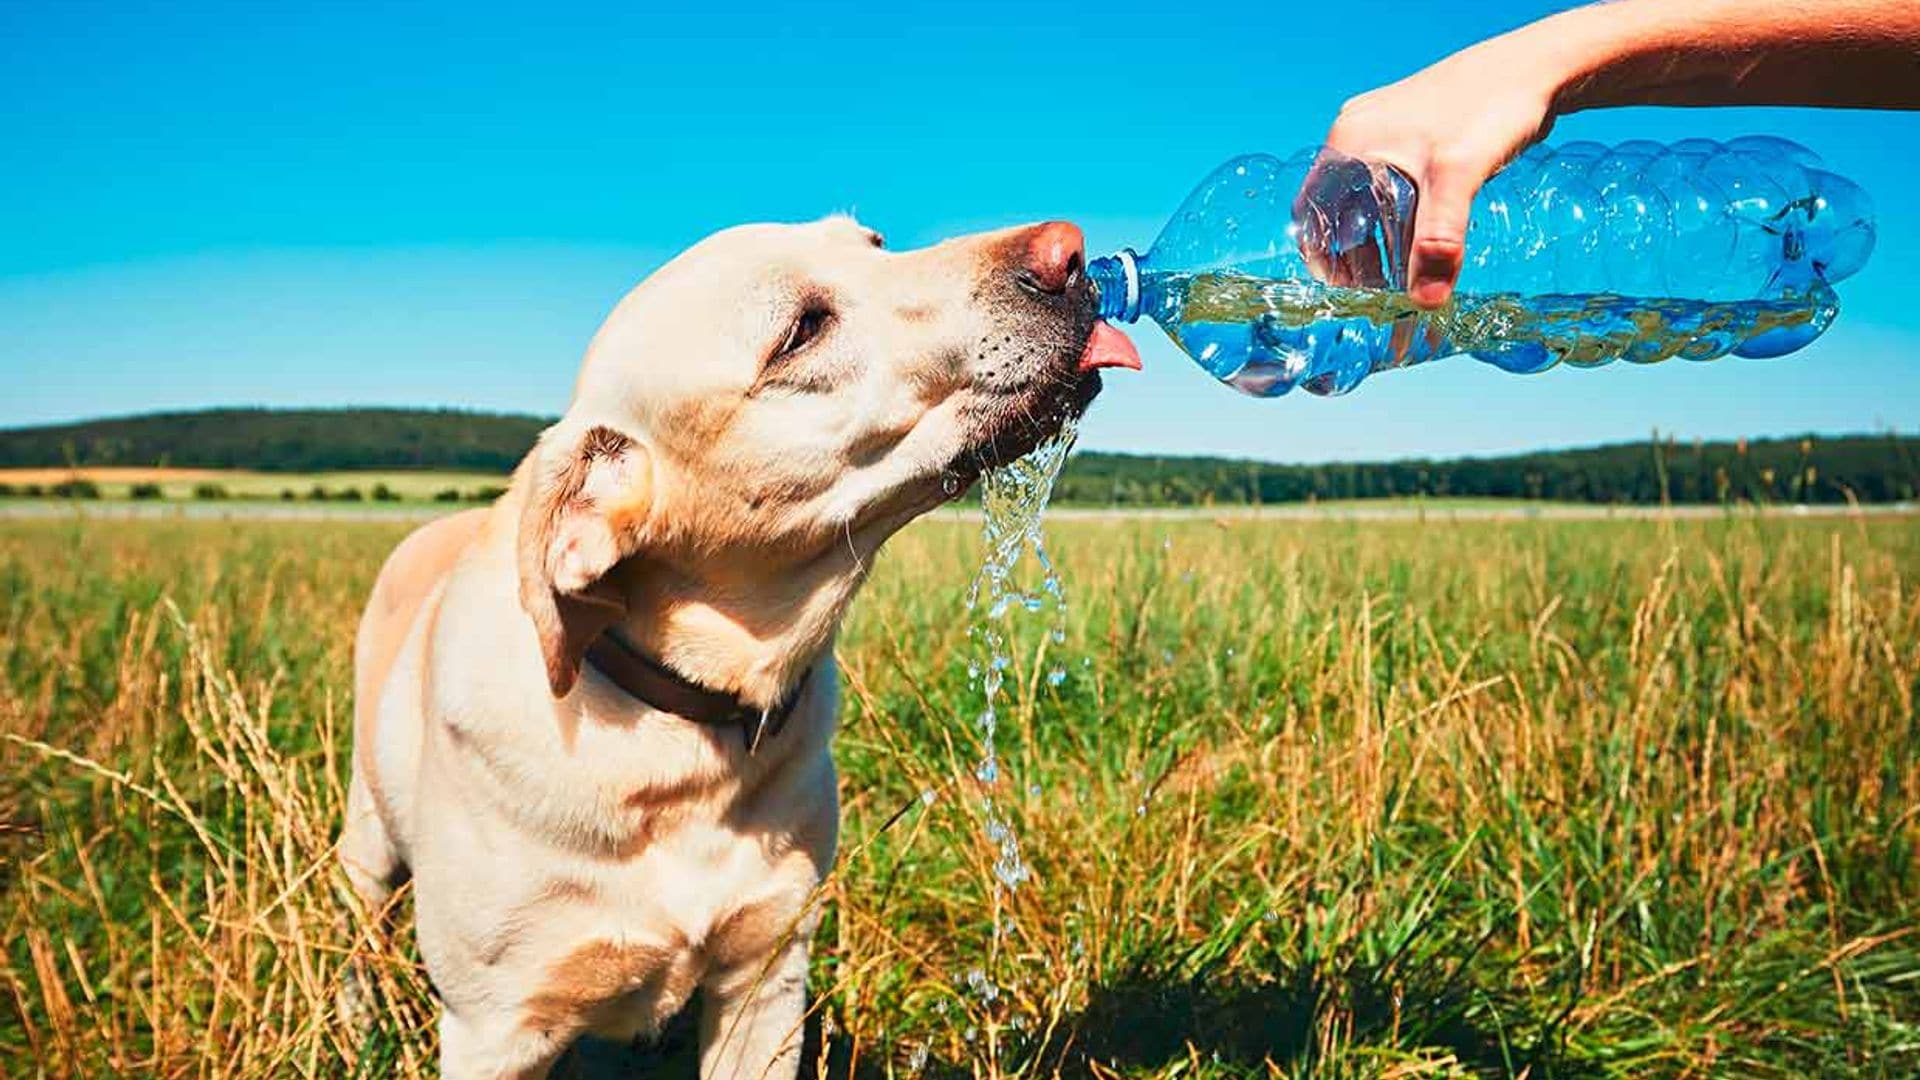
(1329, 799)
(179, 484)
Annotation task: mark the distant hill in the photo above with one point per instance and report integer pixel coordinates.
(1869, 468)
(283, 440)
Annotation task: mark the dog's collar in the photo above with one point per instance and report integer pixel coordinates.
(655, 684)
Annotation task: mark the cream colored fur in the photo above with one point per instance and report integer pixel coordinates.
(582, 862)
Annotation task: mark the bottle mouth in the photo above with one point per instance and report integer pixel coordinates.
(1116, 281)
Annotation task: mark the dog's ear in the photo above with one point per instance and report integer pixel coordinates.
(588, 498)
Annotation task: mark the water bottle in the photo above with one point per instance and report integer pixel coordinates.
(1282, 273)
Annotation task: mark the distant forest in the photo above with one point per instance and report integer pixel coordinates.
(1817, 469)
(283, 440)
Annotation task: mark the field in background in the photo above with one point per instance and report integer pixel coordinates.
(117, 482)
(1331, 799)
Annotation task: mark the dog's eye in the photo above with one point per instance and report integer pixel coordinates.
(811, 324)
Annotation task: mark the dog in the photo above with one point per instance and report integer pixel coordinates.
(592, 721)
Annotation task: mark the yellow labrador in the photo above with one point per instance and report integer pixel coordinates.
(592, 720)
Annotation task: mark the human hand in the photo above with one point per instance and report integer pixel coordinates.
(1448, 128)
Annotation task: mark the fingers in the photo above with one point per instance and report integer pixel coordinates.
(1447, 188)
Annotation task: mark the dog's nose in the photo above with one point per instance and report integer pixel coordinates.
(1056, 252)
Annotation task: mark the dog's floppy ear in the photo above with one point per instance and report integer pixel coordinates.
(588, 498)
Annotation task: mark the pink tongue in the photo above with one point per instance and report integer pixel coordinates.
(1107, 347)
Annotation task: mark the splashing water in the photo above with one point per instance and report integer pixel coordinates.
(1012, 499)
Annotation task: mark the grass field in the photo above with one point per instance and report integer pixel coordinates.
(1330, 799)
(116, 482)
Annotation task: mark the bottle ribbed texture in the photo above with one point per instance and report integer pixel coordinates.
(1278, 273)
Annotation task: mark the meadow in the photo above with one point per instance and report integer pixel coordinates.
(1332, 799)
(204, 485)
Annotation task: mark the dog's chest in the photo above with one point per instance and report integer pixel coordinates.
(628, 943)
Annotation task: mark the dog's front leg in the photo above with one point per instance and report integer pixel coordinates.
(485, 1046)
(752, 1016)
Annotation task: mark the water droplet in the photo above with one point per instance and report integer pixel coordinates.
(1009, 868)
(1012, 498)
(1033, 791)
(1056, 676)
(928, 797)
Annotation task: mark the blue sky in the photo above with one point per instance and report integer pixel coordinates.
(435, 204)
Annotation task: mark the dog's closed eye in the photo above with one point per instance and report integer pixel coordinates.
(807, 328)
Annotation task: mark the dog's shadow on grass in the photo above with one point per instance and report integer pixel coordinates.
(1295, 1020)
(1152, 1017)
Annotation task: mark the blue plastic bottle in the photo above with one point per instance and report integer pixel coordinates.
(1275, 274)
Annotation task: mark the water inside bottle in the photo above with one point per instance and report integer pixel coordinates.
(1265, 336)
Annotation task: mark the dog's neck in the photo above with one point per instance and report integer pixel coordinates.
(751, 635)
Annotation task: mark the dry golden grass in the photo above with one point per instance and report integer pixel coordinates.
(1328, 799)
(112, 474)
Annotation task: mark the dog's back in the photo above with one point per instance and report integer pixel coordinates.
(408, 577)
(412, 573)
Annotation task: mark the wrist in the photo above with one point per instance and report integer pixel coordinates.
(1574, 51)
(1543, 61)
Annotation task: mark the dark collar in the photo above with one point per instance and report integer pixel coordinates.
(654, 683)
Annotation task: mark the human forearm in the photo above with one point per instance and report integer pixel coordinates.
(1836, 53)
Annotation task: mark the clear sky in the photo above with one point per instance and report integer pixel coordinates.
(435, 204)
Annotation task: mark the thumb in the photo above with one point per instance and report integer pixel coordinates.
(1440, 231)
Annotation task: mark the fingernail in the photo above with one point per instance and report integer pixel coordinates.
(1430, 291)
(1434, 266)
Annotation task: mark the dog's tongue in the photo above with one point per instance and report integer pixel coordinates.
(1107, 347)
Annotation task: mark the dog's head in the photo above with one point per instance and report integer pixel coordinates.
(780, 395)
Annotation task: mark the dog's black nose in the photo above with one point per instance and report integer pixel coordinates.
(1056, 253)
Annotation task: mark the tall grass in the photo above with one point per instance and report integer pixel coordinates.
(1323, 799)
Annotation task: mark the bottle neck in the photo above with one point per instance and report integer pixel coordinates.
(1116, 278)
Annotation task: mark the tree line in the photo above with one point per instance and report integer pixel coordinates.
(1810, 469)
(282, 440)
(1814, 469)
